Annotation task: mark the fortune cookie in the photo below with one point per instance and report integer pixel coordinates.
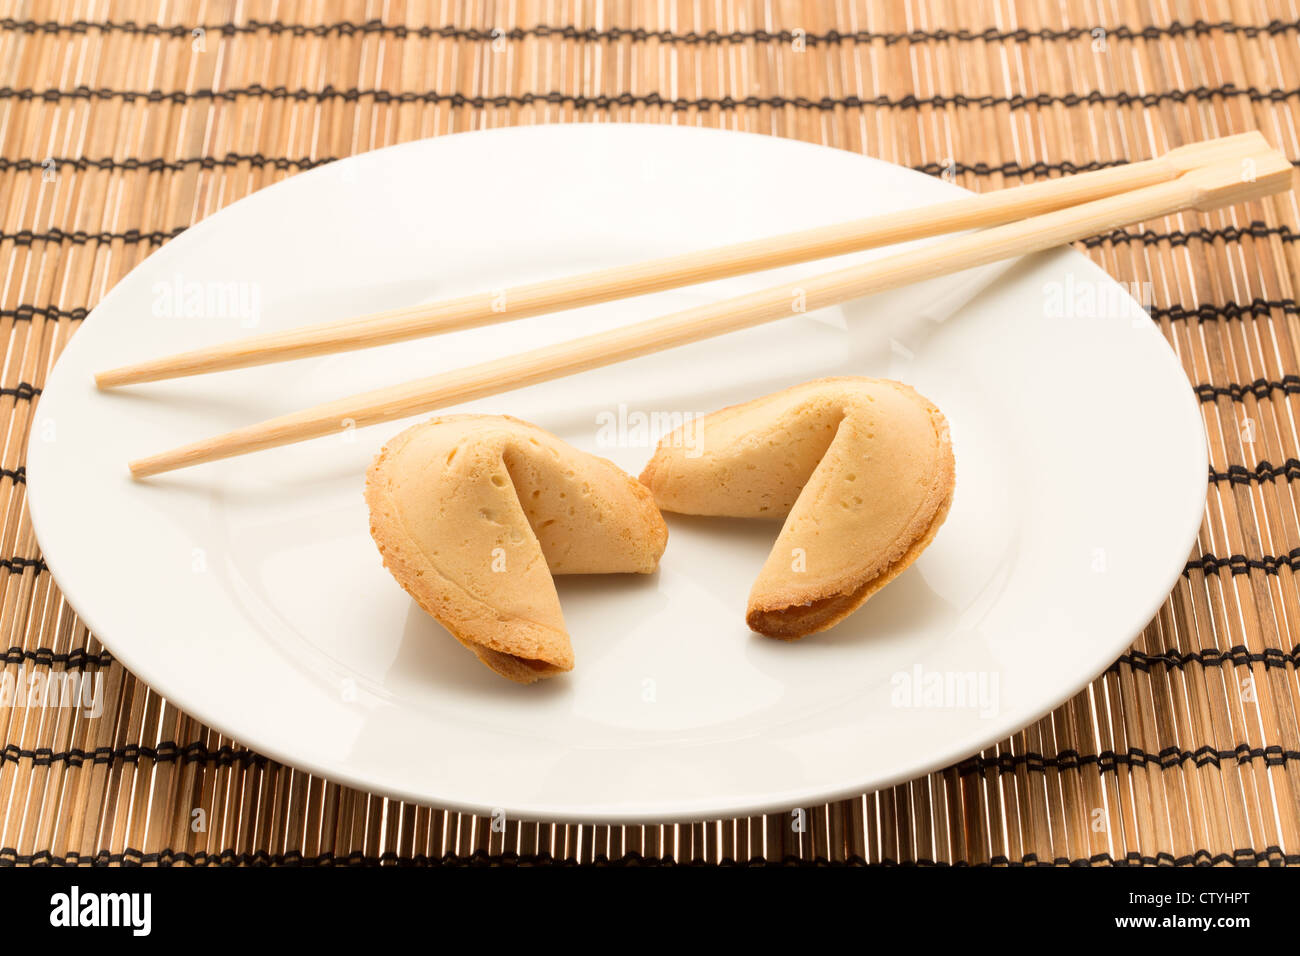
(473, 514)
(861, 469)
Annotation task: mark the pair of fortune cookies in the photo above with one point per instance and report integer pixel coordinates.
(474, 514)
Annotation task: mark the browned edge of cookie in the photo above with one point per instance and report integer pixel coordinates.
(791, 622)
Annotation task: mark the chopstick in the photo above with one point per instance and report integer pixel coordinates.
(972, 212)
(1203, 188)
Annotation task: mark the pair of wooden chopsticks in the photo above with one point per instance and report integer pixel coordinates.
(1010, 222)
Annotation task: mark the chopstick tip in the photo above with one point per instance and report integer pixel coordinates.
(110, 378)
(145, 467)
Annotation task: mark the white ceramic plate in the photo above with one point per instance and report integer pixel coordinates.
(249, 593)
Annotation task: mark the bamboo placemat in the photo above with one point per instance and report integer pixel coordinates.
(119, 129)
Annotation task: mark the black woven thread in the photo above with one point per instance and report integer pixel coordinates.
(165, 752)
(679, 104)
(1181, 237)
(1225, 312)
(1264, 471)
(25, 237)
(159, 165)
(1260, 388)
(1238, 655)
(1108, 761)
(48, 657)
(1017, 170)
(25, 313)
(23, 391)
(19, 565)
(1240, 564)
(1197, 28)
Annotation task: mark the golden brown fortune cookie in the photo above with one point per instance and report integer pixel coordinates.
(473, 514)
(861, 469)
